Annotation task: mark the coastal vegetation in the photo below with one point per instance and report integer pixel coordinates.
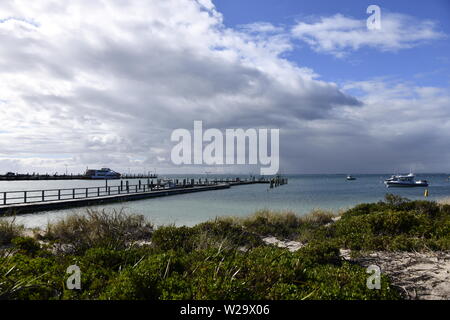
(123, 256)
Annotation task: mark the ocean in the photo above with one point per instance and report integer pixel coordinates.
(302, 194)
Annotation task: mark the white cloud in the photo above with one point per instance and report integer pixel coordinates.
(261, 27)
(339, 34)
(103, 83)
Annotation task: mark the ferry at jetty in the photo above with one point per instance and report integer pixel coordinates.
(404, 181)
(103, 173)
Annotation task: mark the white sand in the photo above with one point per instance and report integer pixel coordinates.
(420, 275)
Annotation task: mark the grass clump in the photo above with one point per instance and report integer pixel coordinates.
(268, 223)
(9, 230)
(114, 230)
(173, 238)
(225, 232)
(26, 245)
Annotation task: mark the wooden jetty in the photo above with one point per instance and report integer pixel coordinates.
(30, 201)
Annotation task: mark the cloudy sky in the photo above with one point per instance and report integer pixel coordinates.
(104, 83)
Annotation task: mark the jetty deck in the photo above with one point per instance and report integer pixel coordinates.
(30, 201)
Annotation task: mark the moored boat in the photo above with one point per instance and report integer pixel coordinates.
(103, 173)
(405, 181)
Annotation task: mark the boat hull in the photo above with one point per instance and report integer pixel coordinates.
(405, 185)
(104, 178)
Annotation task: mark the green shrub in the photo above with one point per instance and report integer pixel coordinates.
(222, 232)
(320, 252)
(28, 278)
(397, 224)
(26, 245)
(346, 282)
(364, 209)
(395, 200)
(143, 280)
(173, 238)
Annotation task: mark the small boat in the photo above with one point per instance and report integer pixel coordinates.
(404, 181)
(103, 173)
(350, 178)
(164, 182)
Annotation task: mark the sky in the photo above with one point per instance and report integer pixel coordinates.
(105, 83)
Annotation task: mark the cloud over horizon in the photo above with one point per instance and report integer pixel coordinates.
(94, 83)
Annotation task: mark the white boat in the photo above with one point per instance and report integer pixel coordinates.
(405, 181)
(103, 173)
(165, 182)
(349, 177)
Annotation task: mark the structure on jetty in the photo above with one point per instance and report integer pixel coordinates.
(10, 176)
(30, 201)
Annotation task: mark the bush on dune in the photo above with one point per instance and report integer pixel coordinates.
(220, 259)
(9, 230)
(396, 224)
(268, 223)
(113, 230)
(280, 224)
(260, 273)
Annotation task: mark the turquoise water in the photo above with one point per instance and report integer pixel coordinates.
(302, 194)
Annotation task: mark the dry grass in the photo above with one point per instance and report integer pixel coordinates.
(269, 216)
(287, 218)
(284, 224)
(319, 217)
(114, 230)
(9, 230)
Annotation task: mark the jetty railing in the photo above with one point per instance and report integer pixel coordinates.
(36, 196)
(39, 196)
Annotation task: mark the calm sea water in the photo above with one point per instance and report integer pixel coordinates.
(301, 195)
